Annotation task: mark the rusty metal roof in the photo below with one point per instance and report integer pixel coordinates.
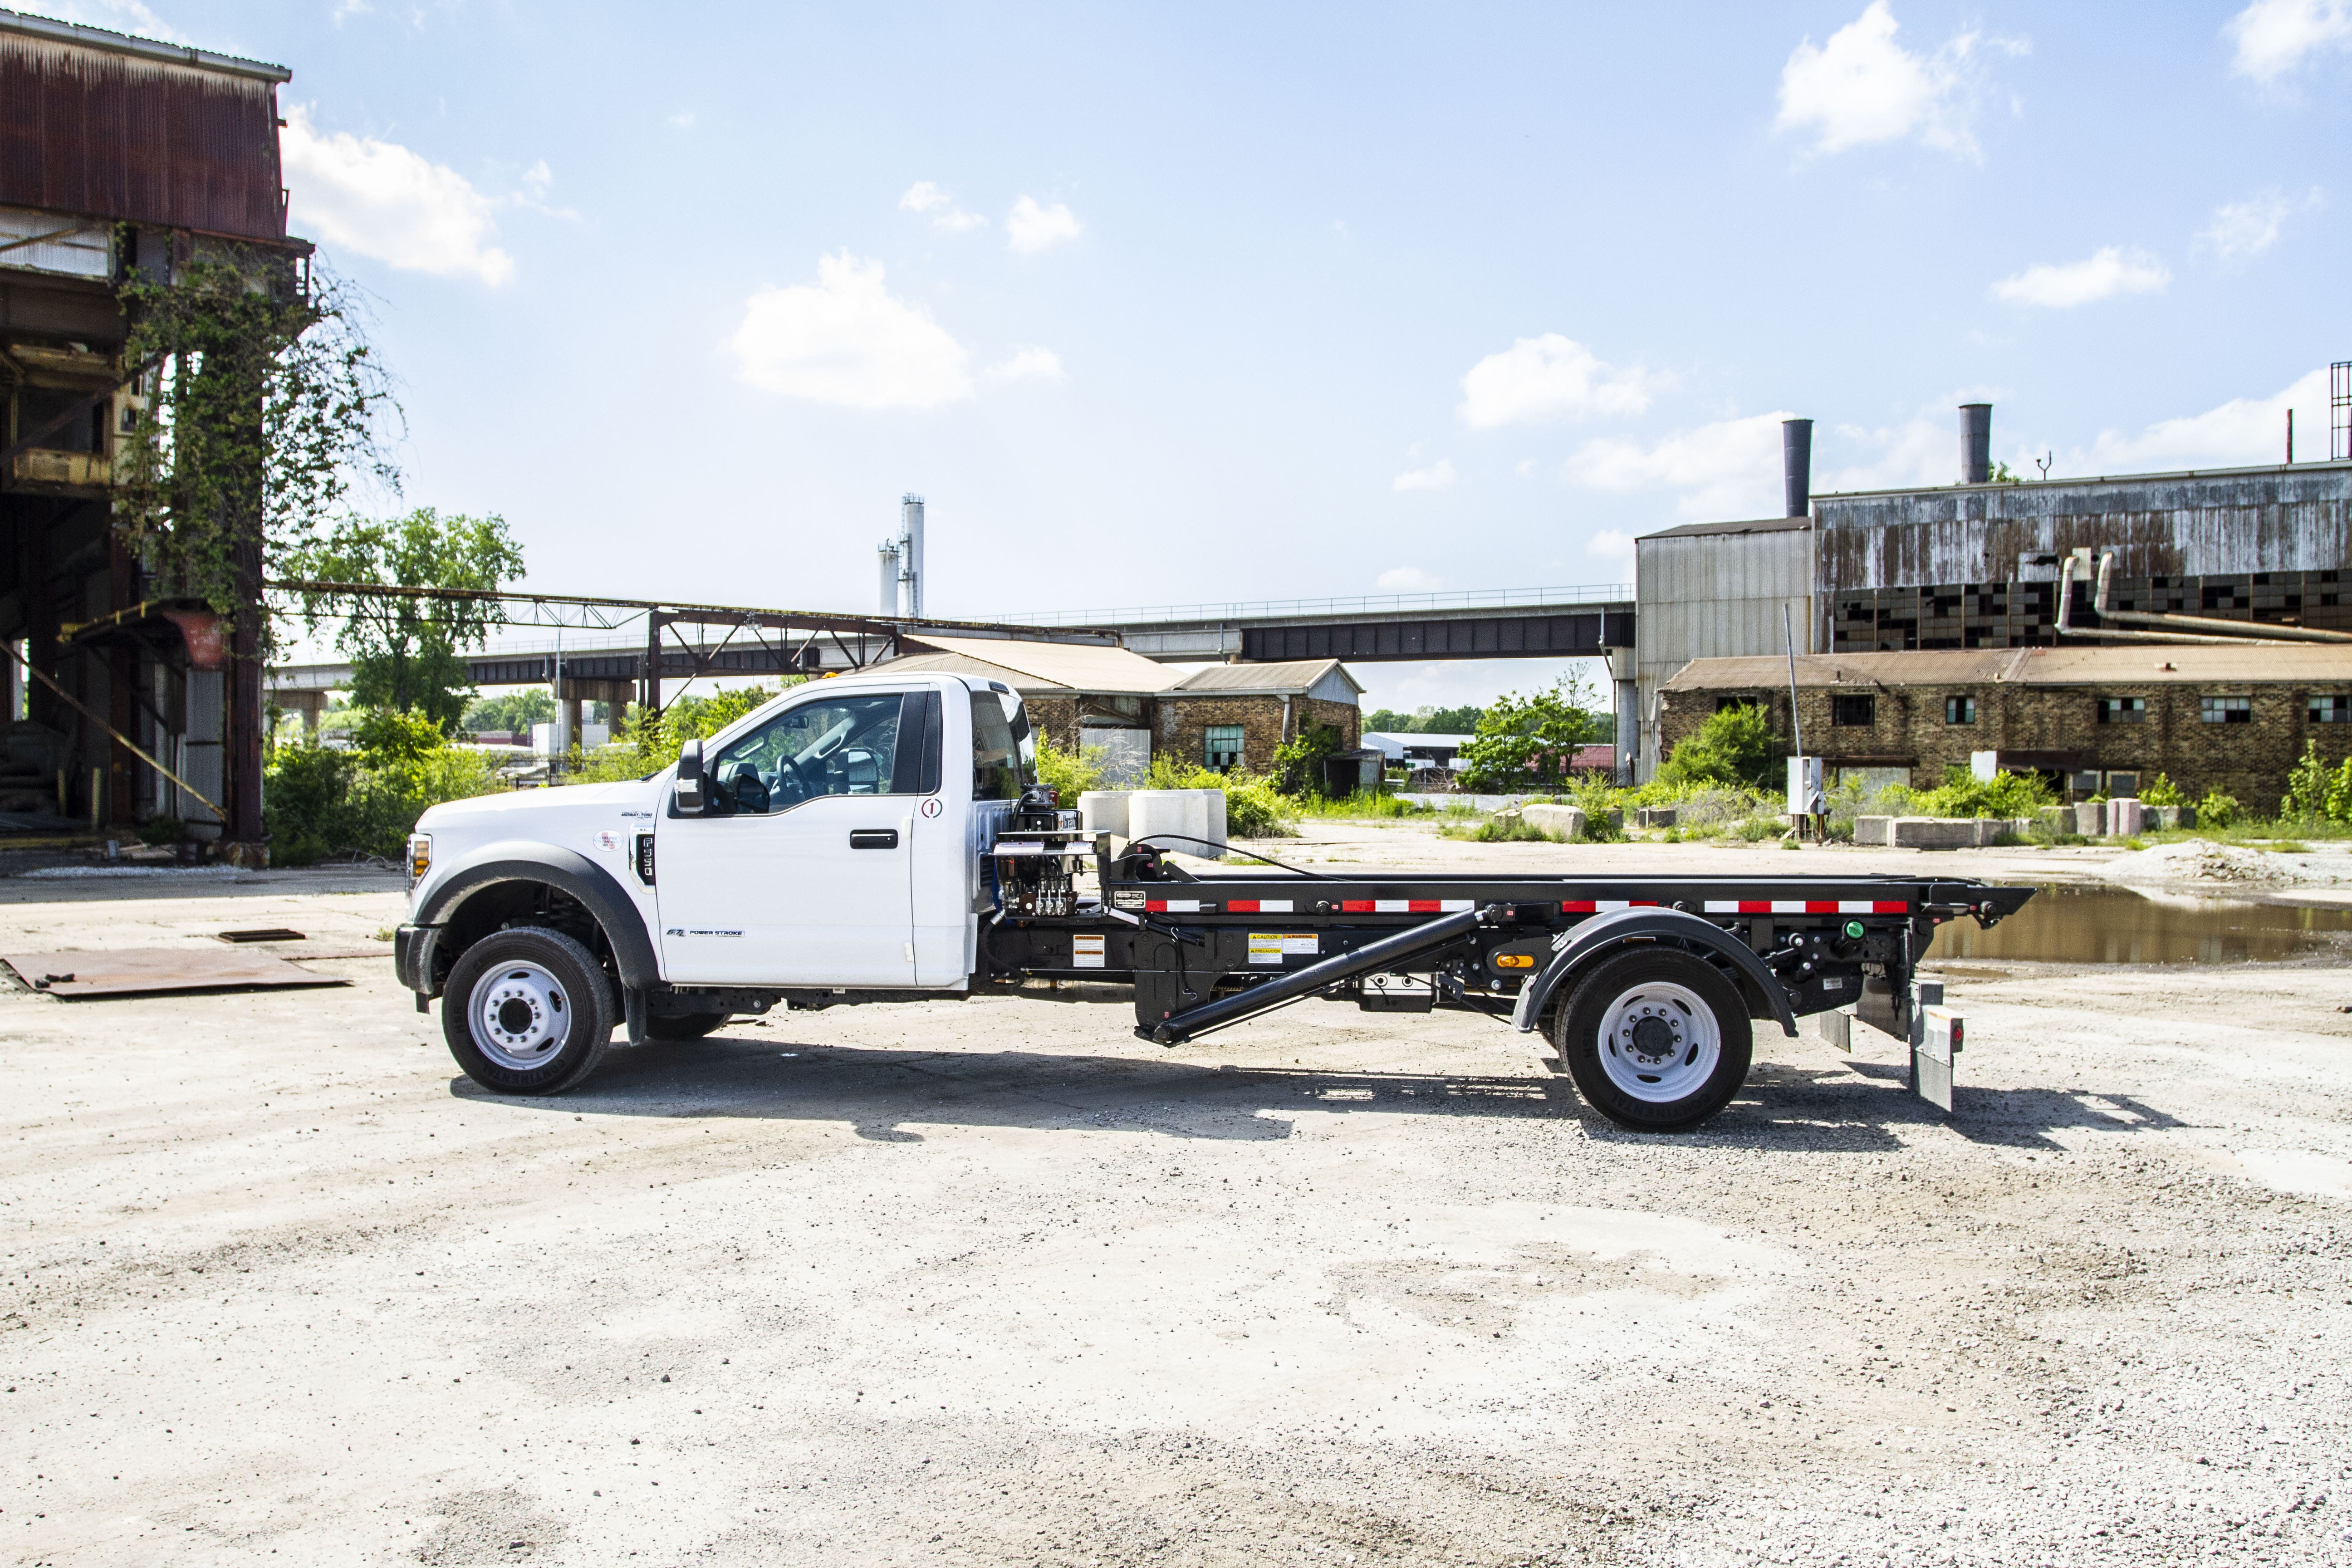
(96, 124)
(2150, 664)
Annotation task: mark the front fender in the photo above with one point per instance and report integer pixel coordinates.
(1581, 943)
(522, 860)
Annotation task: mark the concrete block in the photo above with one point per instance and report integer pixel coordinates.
(2055, 818)
(1566, 821)
(1992, 830)
(2126, 816)
(1177, 812)
(2171, 817)
(1934, 833)
(1104, 811)
(1876, 831)
(2091, 819)
(1656, 816)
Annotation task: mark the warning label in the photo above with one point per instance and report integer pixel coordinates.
(1273, 947)
(1086, 952)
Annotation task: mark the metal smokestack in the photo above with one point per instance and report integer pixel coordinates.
(1797, 466)
(889, 550)
(1976, 443)
(910, 548)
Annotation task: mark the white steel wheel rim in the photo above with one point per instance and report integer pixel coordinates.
(1659, 1042)
(523, 1016)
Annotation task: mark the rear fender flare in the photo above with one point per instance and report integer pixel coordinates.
(1581, 944)
(520, 860)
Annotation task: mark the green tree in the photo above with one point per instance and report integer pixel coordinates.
(1425, 720)
(513, 713)
(1529, 742)
(407, 653)
(1737, 745)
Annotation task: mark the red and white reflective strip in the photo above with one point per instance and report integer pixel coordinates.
(1807, 907)
(1402, 906)
(1178, 906)
(1257, 906)
(1602, 906)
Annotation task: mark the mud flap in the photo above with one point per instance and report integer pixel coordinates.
(1935, 1038)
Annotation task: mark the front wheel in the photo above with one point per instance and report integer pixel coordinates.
(1657, 1040)
(527, 1011)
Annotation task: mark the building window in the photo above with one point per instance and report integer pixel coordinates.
(2226, 710)
(2122, 710)
(1223, 748)
(1854, 712)
(2331, 710)
(1960, 710)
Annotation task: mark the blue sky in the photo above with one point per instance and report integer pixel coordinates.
(1166, 305)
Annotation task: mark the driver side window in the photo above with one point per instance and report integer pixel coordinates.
(848, 746)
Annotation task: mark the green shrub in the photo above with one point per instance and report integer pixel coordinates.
(1069, 773)
(2217, 810)
(1511, 828)
(2161, 791)
(161, 829)
(1758, 828)
(1962, 793)
(318, 802)
(1736, 746)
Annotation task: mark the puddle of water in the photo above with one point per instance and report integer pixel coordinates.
(2074, 925)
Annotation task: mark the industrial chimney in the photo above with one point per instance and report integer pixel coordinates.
(911, 547)
(1797, 466)
(1976, 443)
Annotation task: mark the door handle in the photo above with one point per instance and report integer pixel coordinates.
(874, 838)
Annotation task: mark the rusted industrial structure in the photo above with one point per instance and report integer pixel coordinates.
(121, 158)
(1987, 564)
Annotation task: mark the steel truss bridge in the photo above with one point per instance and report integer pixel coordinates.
(642, 651)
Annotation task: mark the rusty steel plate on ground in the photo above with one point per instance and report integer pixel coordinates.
(262, 933)
(138, 971)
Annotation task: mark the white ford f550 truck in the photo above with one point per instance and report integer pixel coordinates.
(879, 838)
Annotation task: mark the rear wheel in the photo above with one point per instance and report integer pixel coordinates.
(527, 1012)
(1656, 1039)
(684, 1026)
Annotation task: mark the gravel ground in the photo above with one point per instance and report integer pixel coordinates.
(996, 1283)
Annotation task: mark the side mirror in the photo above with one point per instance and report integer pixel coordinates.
(689, 779)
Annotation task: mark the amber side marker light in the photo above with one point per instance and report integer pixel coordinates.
(1514, 960)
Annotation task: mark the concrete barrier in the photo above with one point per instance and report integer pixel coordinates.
(2174, 815)
(1564, 820)
(1874, 832)
(1104, 811)
(2055, 818)
(1934, 833)
(1178, 812)
(2126, 816)
(2091, 819)
(1656, 816)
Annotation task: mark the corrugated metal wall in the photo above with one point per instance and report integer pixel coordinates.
(1711, 596)
(88, 131)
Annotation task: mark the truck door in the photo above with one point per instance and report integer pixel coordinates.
(800, 872)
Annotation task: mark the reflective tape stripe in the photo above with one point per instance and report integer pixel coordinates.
(1599, 906)
(1391, 906)
(1173, 906)
(1453, 906)
(1356, 906)
(1723, 906)
(1257, 906)
(1886, 908)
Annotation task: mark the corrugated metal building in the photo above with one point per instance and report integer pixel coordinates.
(1711, 589)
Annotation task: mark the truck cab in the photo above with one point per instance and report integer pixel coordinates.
(831, 843)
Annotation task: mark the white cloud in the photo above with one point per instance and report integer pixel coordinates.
(848, 340)
(2241, 433)
(682, 120)
(1438, 476)
(1407, 580)
(1728, 469)
(2274, 37)
(1923, 450)
(1613, 545)
(115, 16)
(1029, 365)
(1031, 227)
(1550, 377)
(2061, 286)
(2243, 229)
(1525, 468)
(923, 197)
(380, 199)
(1862, 87)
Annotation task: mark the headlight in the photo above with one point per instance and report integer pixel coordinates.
(420, 856)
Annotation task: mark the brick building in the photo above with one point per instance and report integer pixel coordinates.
(1132, 710)
(2097, 718)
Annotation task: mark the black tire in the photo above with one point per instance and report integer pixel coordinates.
(684, 1026)
(548, 990)
(1661, 1000)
